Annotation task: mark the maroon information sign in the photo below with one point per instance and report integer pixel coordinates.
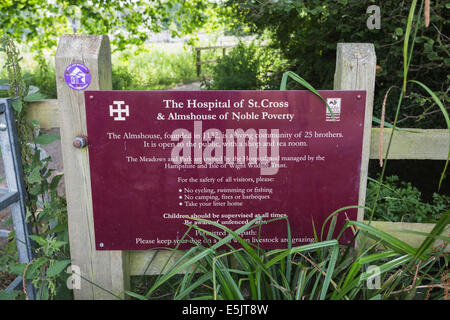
(158, 158)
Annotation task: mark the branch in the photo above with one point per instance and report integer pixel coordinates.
(420, 116)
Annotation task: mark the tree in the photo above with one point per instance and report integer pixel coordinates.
(308, 31)
(128, 22)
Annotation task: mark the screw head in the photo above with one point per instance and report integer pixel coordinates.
(358, 97)
(80, 142)
(3, 127)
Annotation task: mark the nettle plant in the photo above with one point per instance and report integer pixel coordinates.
(46, 209)
(400, 201)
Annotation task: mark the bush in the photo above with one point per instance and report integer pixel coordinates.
(245, 67)
(158, 68)
(43, 77)
(238, 70)
(122, 79)
(399, 201)
(307, 33)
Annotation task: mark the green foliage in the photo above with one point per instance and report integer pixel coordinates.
(122, 79)
(316, 271)
(245, 67)
(8, 295)
(146, 68)
(41, 22)
(306, 32)
(410, 38)
(46, 209)
(238, 70)
(154, 68)
(400, 201)
(44, 78)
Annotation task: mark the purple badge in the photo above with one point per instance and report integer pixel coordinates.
(77, 76)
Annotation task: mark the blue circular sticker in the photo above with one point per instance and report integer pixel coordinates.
(77, 76)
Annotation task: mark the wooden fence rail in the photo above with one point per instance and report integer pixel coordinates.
(198, 56)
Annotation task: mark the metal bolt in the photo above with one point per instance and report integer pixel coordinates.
(91, 97)
(358, 97)
(80, 142)
(3, 127)
(101, 244)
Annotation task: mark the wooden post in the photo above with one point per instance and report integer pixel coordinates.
(355, 70)
(105, 269)
(199, 61)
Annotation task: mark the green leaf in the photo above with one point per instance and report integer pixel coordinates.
(57, 267)
(46, 138)
(282, 253)
(388, 125)
(35, 190)
(34, 97)
(437, 230)
(55, 181)
(11, 295)
(304, 83)
(135, 295)
(399, 31)
(392, 264)
(329, 273)
(39, 240)
(32, 271)
(386, 238)
(35, 123)
(17, 268)
(43, 293)
(425, 234)
(17, 105)
(58, 244)
(406, 43)
(35, 175)
(447, 120)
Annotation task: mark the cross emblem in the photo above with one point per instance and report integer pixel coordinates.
(119, 111)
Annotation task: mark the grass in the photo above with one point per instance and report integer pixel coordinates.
(153, 67)
(317, 271)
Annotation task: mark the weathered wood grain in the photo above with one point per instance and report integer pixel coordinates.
(419, 144)
(105, 269)
(355, 70)
(44, 111)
